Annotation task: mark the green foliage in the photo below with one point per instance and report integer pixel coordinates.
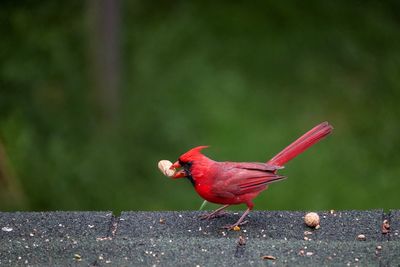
(246, 79)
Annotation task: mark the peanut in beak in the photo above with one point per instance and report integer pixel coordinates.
(166, 167)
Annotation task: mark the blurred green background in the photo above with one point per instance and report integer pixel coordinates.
(94, 93)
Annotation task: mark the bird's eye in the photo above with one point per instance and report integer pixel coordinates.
(185, 164)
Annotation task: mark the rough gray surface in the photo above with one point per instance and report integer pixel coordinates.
(181, 239)
(394, 220)
(50, 238)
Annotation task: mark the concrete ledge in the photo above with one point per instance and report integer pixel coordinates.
(181, 239)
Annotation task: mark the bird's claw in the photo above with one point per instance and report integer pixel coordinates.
(232, 226)
(210, 216)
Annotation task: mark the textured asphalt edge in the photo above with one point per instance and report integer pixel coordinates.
(180, 238)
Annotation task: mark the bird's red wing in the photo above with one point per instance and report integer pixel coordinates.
(242, 178)
(257, 166)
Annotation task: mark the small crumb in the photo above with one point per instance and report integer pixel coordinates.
(379, 247)
(236, 228)
(332, 212)
(103, 238)
(309, 253)
(307, 233)
(180, 215)
(306, 238)
(268, 257)
(361, 237)
(301, 253)
(6, 229)
(91, 226)
(318, 226)
(162, 220)
(241, 241)
(31, 234)
(356, 259)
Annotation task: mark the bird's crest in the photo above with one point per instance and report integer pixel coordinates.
(192, 154)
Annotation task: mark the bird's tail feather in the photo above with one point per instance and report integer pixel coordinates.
(305, 141)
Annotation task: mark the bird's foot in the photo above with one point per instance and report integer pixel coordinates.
(234, 226)
(212, 215)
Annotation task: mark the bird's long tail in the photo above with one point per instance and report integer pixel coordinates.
(305, 141)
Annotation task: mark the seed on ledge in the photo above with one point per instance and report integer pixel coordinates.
(361, 237)
(77, 257)
(268, 257)
(385, 227)
(311, 219)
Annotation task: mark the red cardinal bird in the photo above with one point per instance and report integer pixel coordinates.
(231, 183)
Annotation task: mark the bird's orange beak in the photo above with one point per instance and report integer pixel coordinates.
(180, 173)
(176, 165)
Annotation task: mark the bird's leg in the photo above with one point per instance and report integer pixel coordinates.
(215, 214)
(240, 221)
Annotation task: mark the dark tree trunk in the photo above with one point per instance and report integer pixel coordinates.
(11, 195)
(104, 39)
